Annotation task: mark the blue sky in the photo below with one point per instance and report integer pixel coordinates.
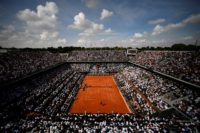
(98, 23)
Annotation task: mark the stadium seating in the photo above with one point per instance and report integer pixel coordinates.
(181, 64)
(42, 103)
(123, 123)
(98, 55)
(17, 64)
(162, 92)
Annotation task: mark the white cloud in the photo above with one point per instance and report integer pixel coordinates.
(44, 18)
(102, 40)
(157, 21)
(192, 19)
(158, 41)
(91, 3)
(105, 14)
(137, 35)
(158, 29)
(62, 41)
(139, 38)
(43, 21)
(80, 22)
(40, 28)
(88, 27)
(108, 30)
(44, 35)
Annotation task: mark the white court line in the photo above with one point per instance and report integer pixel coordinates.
(122, 96)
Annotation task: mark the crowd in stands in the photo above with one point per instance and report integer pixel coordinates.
(48, 94)
(98, 55)
(190, 105)
(41, 104)
(98, 68)
(17, 64)
(137, 103)
(181, 64)
(107, 68)
(163, 93)
(81, 67)
(102, 123)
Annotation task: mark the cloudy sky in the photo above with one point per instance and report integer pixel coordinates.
(98, 23)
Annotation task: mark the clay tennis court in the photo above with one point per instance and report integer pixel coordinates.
(99, 94)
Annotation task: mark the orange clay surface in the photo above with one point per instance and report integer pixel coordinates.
(99, 94)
